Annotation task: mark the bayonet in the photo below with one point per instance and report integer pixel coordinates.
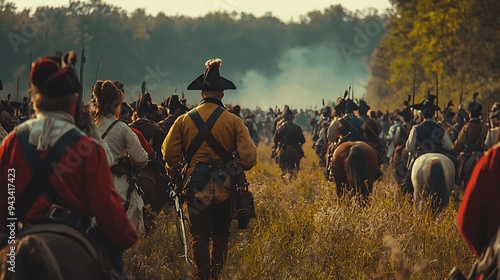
(97, 70)
(414, 90)
(461, 90)
(17, 90)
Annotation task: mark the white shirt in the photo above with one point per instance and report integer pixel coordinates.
(411, 143)
(122, 140)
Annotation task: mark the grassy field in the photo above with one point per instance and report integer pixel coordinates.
(303, 231)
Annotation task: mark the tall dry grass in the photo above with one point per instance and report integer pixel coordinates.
(303, 231)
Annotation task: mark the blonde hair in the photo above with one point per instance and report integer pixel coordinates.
(106, 99)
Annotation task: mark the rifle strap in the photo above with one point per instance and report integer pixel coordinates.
(42, 169)
(205, 134)
(109, 129)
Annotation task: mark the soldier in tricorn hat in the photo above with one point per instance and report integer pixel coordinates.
(472, 136)
(175, 109)
(212, 138)
(493, 136)
(151, 131)
(426, 137)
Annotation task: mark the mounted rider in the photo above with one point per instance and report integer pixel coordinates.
(472, 136)
(459, 120)
(448, 115)
(153, 133)
(320, 134)
(493, 136)
(426, 137)
(400, 157)
(346, 127)
(371, 128)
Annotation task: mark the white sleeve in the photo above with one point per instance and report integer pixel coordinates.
(411, 143)
(447, 143)
(133, 147)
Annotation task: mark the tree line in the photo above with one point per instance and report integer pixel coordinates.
(172, 49)
(454, 44)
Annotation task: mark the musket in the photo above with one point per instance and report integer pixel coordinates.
(352, 83)
(489, 126)
(176, 188)
(349, 93)
(80, 96)
(17, 89)
(183, 99)
(437, 94)
(29, 90)
(461, 90)
(97, 70)
(414, 90)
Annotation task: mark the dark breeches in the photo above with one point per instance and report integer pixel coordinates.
(210, 236)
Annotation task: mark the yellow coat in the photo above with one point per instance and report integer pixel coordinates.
(229, 131)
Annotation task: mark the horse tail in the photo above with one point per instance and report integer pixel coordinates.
(437, 183)
(35, 260)
(356, 170)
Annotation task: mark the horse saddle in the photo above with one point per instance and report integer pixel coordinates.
(62, 230)
(91, 243)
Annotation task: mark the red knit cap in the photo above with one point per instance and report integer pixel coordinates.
(52, 81)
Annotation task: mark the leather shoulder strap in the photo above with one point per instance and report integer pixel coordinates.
(42, 170)
(205, 134)
(109, 128)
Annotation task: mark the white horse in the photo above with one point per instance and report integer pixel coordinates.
(433, 175)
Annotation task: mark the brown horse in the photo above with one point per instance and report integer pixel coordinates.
(468, 167)
(353, 168)
(289, 160)
(51, 251)
(154, 184)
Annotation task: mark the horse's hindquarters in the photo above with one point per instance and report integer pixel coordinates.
(52, 256)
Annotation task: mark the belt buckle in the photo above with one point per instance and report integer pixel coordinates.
(53, 209)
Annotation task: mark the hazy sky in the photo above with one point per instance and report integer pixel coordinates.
(284, 9)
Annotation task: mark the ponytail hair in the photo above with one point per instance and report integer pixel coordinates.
(106, 99)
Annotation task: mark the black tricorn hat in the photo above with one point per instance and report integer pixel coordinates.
(288, 114)
(405, 113)
(363, 107)
(345, 105)
(211, 80)
(174, 103)
(427, 105)
(474, 106)
(144, 104)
